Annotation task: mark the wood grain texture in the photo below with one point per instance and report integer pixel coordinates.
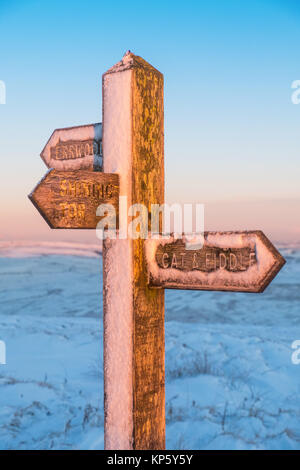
(69, 199)
(249, 264)
(147, 189)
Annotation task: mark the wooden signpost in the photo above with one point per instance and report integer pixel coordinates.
(136, 271)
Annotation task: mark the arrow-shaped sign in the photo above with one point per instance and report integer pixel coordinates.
(69, 199)
(75, 148)
(228, 261)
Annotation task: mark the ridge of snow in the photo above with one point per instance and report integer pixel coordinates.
(24, 249)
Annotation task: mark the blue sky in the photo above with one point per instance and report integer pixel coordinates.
(231, 130)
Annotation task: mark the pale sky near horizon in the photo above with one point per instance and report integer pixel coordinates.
(231, 129)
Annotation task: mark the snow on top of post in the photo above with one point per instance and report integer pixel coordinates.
(129, 61)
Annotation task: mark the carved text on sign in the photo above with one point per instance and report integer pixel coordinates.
(208, 259)
(70, 211)
(74, 149)
(85, 189)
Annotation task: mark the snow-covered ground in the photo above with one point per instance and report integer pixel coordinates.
(230, 382)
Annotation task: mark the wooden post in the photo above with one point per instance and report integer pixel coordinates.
(134, 365)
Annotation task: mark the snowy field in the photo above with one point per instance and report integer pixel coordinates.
(230, 382)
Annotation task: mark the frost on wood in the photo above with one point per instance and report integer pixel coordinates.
(76, 137)
(167, 263)
(118, 270)
(117, 131)
(118, 324)
(129, 61)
